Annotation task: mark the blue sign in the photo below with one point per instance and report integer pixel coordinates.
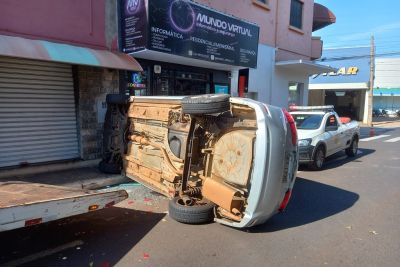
(352, 64)
(221, 89)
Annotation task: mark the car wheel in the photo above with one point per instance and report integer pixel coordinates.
(190, 213)
(352, 150)
(206, 104)
(319, 158)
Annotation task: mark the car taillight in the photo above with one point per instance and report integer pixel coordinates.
(292, 125)
(285, 201)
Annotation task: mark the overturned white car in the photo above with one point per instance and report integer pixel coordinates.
(231, 160)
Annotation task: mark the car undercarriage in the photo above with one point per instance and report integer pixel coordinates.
(201, 160)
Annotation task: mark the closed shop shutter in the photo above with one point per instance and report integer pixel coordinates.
(37, 112)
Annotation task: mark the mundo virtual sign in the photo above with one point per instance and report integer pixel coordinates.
(188, 29)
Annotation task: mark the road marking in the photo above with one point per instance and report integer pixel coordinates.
(393, 140)
(374, 137)
(44, 253)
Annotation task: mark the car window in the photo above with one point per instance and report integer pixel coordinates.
(308, 121)
(331, 121)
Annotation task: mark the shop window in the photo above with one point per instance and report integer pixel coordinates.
(295, 94)
(137, 83)
(296, 14)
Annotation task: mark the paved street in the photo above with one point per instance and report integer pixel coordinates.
(346, 215)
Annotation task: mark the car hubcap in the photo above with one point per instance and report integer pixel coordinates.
(185, 201)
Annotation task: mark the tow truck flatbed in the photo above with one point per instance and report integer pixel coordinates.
(25, 204)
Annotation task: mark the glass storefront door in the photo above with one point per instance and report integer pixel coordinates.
(176, 82)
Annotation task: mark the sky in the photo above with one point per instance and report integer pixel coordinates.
(357, 20)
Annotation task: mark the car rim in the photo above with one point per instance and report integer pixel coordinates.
(186, 201)
(320, 158)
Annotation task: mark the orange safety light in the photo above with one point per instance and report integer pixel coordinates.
(93, 207)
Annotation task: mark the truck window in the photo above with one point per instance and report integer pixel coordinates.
(308, 121)
(331, 121)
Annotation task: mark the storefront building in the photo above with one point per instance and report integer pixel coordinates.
(59, 59)
(387, 84)
(347, 88)
(56, 67)
(185, 48)
(257, 49)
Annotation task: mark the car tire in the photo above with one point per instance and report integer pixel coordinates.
(206, 104)
(318, 159)
(196, 214)
(351, 151)
(110, 168)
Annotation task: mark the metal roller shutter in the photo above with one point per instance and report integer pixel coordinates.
(37, 112)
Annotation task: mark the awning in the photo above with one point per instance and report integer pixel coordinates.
(48, 51)
(170, 58)
(386, 91)
(322, 17)
(303, 66)
(338, 86)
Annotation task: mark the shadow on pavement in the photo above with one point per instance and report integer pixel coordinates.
(105, 237)
(311, 201)
(340, 159)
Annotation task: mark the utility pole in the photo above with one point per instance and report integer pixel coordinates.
(371, 82)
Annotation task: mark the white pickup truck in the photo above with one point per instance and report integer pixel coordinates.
(322, 133)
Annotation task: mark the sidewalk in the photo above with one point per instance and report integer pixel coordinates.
(384, 123)
(83, 175)
(387, 124)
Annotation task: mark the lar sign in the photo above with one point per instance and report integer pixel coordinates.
(341, 71)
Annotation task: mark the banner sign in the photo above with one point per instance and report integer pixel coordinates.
(188, 29)
(133, 25)
(352, 64)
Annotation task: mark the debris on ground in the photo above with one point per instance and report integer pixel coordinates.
(373, 232)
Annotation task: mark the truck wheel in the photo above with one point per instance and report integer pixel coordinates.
(318, 159)
(196, 214)
(206, 104)
(351, 151)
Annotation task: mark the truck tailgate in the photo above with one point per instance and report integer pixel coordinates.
(24, 204)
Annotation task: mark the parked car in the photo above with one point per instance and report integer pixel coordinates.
(322, 133)
(232, 160)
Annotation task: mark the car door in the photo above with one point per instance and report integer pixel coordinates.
(333, 141)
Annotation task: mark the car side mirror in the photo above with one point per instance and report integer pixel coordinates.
(331, 128)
